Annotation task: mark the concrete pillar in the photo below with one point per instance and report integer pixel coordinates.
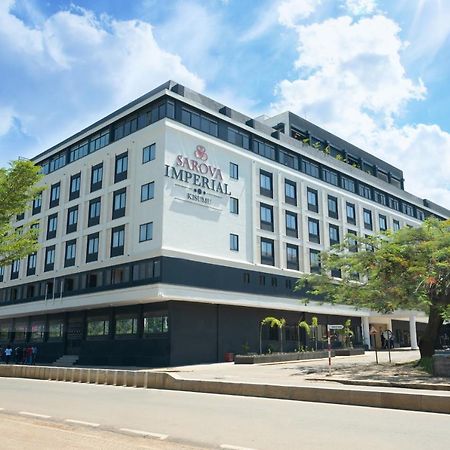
(413, 333)
(366, 331)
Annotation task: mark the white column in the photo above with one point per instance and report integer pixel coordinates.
(366, 331)
(413, 333)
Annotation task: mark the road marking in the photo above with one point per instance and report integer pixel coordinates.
(81, 422)
(26, 413)
(161, 437)
(234, 447)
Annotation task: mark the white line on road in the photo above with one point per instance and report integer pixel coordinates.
(161, 437)
(26, 413)
(234, 447)
(81, 422)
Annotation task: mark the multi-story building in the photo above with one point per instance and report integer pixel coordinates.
(171, 227)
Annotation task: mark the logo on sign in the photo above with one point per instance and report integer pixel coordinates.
(200, 153)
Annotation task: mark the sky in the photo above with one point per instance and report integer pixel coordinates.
(375, 73)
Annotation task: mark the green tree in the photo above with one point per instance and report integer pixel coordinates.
(272, 322)
(409, 269)
(17, 189)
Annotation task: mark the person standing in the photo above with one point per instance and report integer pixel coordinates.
(8, 353)
(34, 354)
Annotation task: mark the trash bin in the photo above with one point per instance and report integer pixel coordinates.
(228, 357)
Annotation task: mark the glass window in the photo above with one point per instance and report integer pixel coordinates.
(265, 183)
(234, 171)
(380, 198)
(292, 257)
(94, 211)
(72, 219)
(199, 121)
(32, 261)
(121, 168)
(71, 251)
(266, 216)
(365, 191)
(382, 220)
(52, 226)
(147, 191)
(92, 247)
(234, 242)
(97, 327)
(313, 230)
(291, 224)
(334, 234)
(126, 325)
(75, 185)
(238, 138)
(145, 232)
(351, 213)
(56, 329)
(234, 205)
(314, 261)
(367, 215)
(310, 168)
(49, 258)
(267, 252)
(148, 153)
(352, 242)
(313, 200)
(37, 204)
(394, 203)
(330, 176)
(156, 323)
(348, 184)
(396, 225)
(119, 203)
(55, 192)
(333, 207)
(96, 177)
(263, 149)
(290, 192)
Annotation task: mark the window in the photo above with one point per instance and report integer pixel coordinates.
(348, 184)
(52, 226)
(121, 168)
(31, 264)
(291, 224)
(234, 205)
(145, 232)
(234, 171)
(290, 192)
(119, 203)
(265, 184)
(97, 177)
(408, 209)
(266, 216)
(288, 159)
(314, 261)
(380, 198)
(94, 212)
(367, 215)
(310, 168)
(75, 185)
(199, 121)
(396, 225)
(49, 258)
(263, 149)
(420, 214)
(333, 207)
(267, 252)
(55, 329)
(155, 323)
(37, 204)
(118, 241)
(351, 213)
(92, 247)
(238, 138)
(71, 252)
(72, 219)
(2, 273)
(334, 234)
(126, 325)
(382, 222)
(148, 153)
(234, 242)
(98, 141)
(78, 151)
(313, 230)
(382, 175)
(147, 191)
(55, 192)
(365, 191)
(330, 176)
(292, 257)
(394, 204)
(313, 200)
(352, 242)
(15, 269)
(97, 327)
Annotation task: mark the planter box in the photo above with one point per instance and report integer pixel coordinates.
(349, 351)
(280, 357)
(441, 364)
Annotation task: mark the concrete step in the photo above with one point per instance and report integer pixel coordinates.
(66, 361)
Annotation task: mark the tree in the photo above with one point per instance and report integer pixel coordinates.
(273, 322)
(17, 189)
(408, 269)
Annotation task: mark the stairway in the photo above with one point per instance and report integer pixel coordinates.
(66, 361)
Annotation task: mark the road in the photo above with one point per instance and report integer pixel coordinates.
(213, 421)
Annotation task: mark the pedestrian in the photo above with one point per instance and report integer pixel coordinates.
(18, 355)
(34, 354)
(8, 353)
(383, 340)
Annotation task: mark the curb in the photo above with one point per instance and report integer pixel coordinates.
(412, 401)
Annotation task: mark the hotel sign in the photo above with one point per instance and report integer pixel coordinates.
(203, 181)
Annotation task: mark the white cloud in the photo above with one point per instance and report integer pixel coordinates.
(351, 81)
(290, 12)
(77, 67)
(6, 120)
(360, 7)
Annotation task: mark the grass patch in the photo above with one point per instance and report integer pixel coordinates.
(426, 364)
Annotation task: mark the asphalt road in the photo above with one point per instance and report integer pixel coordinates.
(219, 421)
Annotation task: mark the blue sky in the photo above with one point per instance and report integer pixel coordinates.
(373, 72)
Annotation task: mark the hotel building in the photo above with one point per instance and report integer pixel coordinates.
(171, 227)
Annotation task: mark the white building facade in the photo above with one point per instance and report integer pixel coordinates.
(170, 228)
